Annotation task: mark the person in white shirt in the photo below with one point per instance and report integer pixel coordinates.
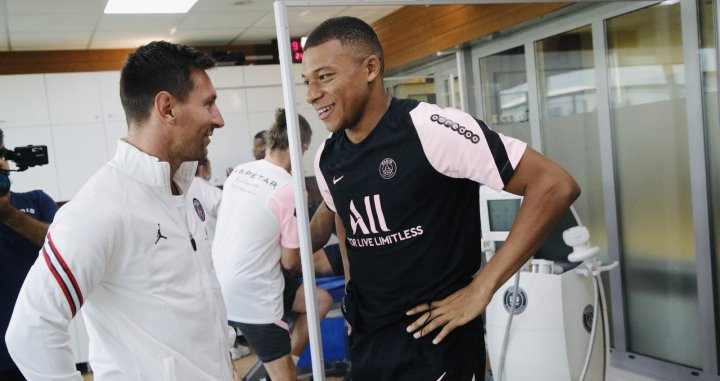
(131, 248)
(211, 195)
(256, 246)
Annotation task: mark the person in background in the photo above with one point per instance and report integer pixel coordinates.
(403, 178)
(25, 219)
(210, 194)
(259, 145)
(256, 254)
(258, 148)
(131, 248)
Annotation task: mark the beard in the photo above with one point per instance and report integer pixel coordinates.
(353, 117)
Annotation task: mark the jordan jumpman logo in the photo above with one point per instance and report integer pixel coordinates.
(159, 235)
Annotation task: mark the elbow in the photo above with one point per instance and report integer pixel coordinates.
(572, 190)
(567, 190)
(561, 188)
(291, 265)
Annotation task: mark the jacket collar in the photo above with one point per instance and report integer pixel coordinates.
(150, 170)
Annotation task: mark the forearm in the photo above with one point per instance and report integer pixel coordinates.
(340, 229)
(290, 261)
(33, 230)
(321, 227)
(545, 201)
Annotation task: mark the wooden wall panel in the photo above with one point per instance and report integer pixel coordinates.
(414, 32)
(70, 61)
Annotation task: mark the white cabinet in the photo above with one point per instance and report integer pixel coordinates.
(114, 131)
(74, 98)
(265, 75)
(112, 109)
(23, 101)
(227, 76)
(80, 118)
(231, 100)
(80, 151)
(229, 146)
(268, 98)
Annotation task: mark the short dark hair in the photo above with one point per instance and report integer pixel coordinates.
(155, 67)
(262, 135)
(277, 135)
(350, 31)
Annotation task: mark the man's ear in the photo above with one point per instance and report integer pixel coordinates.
(372, 67)
(164, 103)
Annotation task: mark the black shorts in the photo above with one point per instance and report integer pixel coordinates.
(269, 341)
(332, 252)
(292, 284)
(392, 354)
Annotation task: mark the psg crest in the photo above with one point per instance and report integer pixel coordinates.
(509, 297)
(199, 209)
(387, 168)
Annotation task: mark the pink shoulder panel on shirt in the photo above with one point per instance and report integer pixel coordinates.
(322, 184)
(455, 145)
(282, 206)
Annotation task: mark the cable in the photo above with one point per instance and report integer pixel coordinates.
(594, 325)
(503, 349)
(575, 214)
(606, 325)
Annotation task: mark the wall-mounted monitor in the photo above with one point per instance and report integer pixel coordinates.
(497, 213)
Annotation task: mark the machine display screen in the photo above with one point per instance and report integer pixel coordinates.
(502, 213)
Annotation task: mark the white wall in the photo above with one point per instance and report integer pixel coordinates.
(80, 118)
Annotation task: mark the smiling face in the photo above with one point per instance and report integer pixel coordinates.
(196, 118)
(337, 84)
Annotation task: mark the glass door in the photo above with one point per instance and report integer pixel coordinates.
(504, 93)
(650, 136)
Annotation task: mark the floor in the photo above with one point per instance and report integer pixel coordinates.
(614, 374)
(242, 365)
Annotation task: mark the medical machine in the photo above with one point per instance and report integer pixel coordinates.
(549, 321)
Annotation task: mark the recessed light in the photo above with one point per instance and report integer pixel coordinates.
(149, 6)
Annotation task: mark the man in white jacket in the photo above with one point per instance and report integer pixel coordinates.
(131, 248)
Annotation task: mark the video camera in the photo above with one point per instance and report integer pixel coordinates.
(24, 157)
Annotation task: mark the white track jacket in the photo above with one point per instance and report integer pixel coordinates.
(137, 260)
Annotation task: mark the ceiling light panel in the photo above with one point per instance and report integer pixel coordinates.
(149, 6)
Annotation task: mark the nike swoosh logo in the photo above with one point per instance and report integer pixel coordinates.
(335, 181)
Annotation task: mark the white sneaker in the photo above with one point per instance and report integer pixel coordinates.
(239, 352)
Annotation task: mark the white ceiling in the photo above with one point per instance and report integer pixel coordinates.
(81, 24)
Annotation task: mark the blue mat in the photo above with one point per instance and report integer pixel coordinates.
(331, 329)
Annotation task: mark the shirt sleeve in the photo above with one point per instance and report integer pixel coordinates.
(46, 206)
(322, 183)
(282, 206)
(70, 264)
(214, 195)
(460, 146)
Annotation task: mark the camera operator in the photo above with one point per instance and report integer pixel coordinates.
(25, 219)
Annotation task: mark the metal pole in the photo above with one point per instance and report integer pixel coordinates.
(301, 209)
(451, 89)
